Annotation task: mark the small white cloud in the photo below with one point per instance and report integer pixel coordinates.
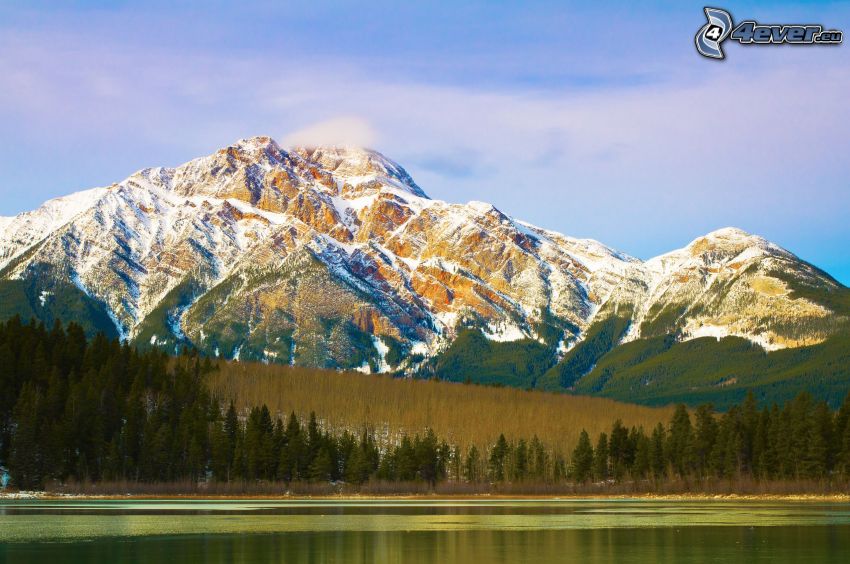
(352, 131)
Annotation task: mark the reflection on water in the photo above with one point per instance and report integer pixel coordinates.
(415, 531)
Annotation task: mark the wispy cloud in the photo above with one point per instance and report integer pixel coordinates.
(643, 151)
(346, 130)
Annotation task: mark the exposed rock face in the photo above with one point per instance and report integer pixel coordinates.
(310, 255)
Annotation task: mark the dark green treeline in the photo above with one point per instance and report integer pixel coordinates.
(73, 410)
(804, 440)
(98, 410)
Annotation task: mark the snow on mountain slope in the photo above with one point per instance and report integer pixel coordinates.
(20, 232)
(729, 282)
(311, 254)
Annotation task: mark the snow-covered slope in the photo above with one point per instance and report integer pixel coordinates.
(730, 282)
(19, 233)
(333, 256)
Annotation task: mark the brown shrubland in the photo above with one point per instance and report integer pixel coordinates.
(462, 414)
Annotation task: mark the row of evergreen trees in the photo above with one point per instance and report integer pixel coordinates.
(804, 440)
(78, 410)
(260, 449)
(98, 410)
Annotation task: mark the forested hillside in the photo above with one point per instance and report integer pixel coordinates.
(462, 414)
(661, 371)
(76, 411)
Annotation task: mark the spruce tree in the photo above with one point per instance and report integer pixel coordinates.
(428, 457)
(472, 464)
(498, 456)
(520, 466)
(748, 428)
(643, 456)
(27, 457)
(231, 428)
(821, 457)
(538, 459)
(658, 458)
(582, 461)
(322, 466)
(680, 442)
(314, 439)
(600, 460)
(619, 450)
(405, 463)
(357, 469)
(705, 434)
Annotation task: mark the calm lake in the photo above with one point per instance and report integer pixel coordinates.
(422, 531)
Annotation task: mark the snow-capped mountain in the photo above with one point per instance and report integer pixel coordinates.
(729, 282)
(335, 257)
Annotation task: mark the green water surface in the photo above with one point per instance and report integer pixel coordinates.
(435, 531)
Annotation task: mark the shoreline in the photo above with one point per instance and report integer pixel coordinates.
(690, 497)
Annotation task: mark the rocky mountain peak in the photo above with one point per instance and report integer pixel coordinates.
(356, 166)
(728, 246)
(310, 253)
(258, 171)
(731, 240)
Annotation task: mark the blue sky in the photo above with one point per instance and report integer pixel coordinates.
(594, 119)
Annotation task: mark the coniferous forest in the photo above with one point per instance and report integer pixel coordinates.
(76, 410)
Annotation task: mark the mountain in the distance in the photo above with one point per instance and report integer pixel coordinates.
(334, 257)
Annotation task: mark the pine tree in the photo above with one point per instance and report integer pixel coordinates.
(538, 459)
(801, 422)
(747, 433)
(292, 454)
(371, 452)
(643, 457)
(619, 450)
(498, 456)
(231, 428)
(314, 439)
(771, 466)
(220, 455)
(472, 464)
(520, 466)
(724, 460)
(428, 457)
(600, 460)
(253, 445)
(658, 459)
(705, 434)
(680, 442)
(821, 456)
(266, 456)
(27, 457)
(582, 461)
(356, 470)
(762, 452)
(405, 463)
(322, 466)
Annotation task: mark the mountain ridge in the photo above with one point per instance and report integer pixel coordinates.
(335, 257)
